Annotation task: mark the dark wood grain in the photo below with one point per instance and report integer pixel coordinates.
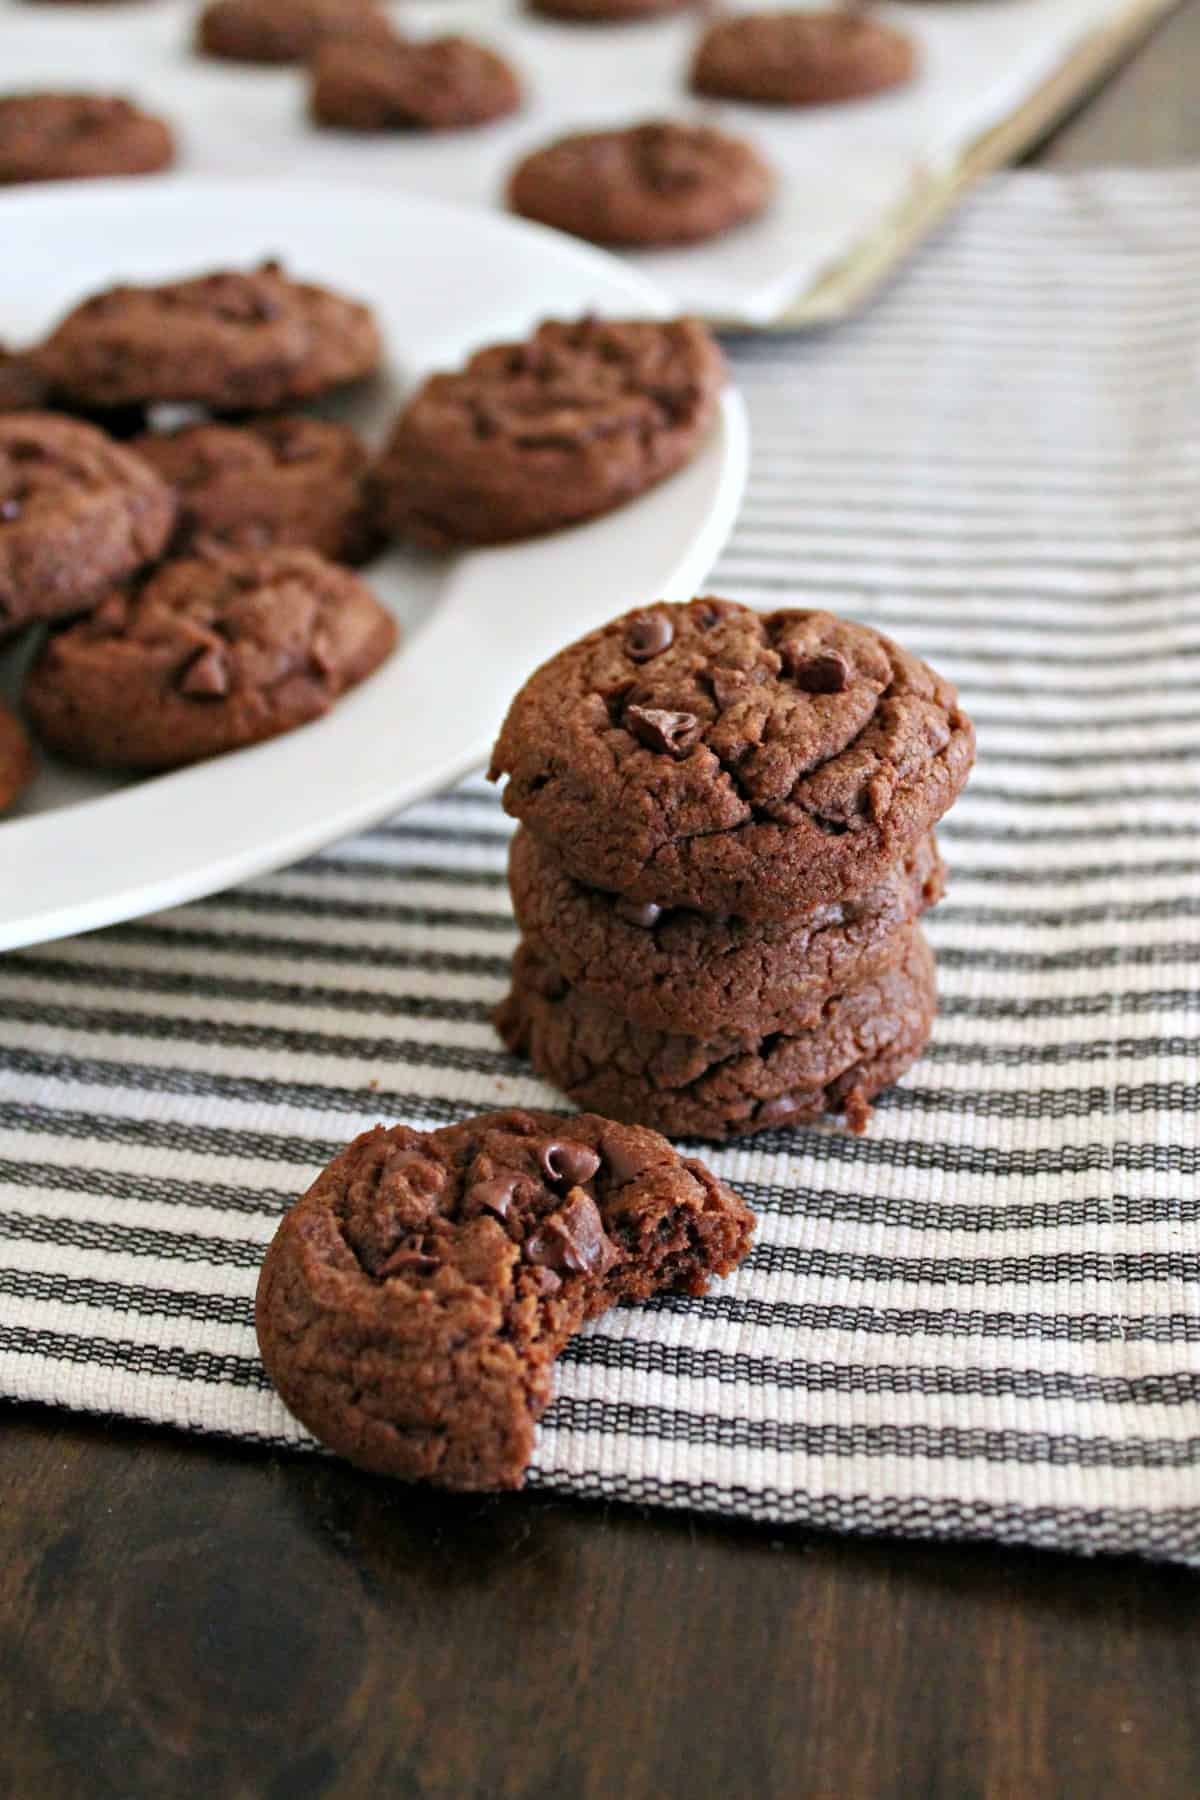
(183, 1618)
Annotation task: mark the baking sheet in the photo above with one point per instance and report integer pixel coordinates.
(856, 179)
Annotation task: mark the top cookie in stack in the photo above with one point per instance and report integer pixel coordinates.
(757, 793)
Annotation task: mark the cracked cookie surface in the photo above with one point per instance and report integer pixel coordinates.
(683, 971)
(233, 340)
(206, 655)
(735, 762)
(412, 1303)
(442, 84)
(729, 1086)
(532, 436)
(288, 482)
(77, 512)
(660, 183)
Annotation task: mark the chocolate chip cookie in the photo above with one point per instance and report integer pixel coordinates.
(533, 436)
(16, 759)
(206, 655)
(714, 757)
(683, 971)
(231, 341)
(23, 388)
(282, 482)
(77, 513)
(412, 1304)
(648, 184)
(731, 1085)
(801, 58)
(285, 31)
(67, 137)
(444, 84)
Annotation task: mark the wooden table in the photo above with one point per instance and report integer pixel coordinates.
(180, 1618)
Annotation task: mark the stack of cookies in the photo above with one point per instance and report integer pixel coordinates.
(726, 846)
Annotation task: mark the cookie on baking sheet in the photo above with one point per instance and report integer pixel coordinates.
(606, 12)
(715, 757)
(285, 31)
(233, 341)
(660, 183)
(801, 58)
(682, 971)
(412, 1303)
(16, 759)
(23, 387)
(279, 482)
(67, 137)
(205, 655)
(532, 436)
(443, 84)
(77, 513)
(728, 1086)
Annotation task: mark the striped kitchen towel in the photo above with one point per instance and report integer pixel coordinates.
(980, 1320)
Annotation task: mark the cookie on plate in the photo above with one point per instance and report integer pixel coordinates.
(605, 12)
(685, 972)
(233, 341)
(77, 513)
(67, 137)
(16, 759)
(532, 436)
(279, 482)
(801, 58)
(734, 1084)
(715, 757)
(659, 183)
(205, 655)
(412, 1303)
(23, 387)
(285, 31)
(443, 84)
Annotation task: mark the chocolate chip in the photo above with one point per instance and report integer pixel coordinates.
(206, 677)
(111, 614)
(407, 1261)
(10, 510)
(644, 913)
(573, 1238)
(544, 1279)
(673, 732)
(321, 654)
(729, 686)
(649, 634)
(816, 671)
(777, 1111)
(567, 1162)
(494, 1196)
(622, 1160)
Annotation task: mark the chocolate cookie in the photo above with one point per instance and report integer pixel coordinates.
(801, 58)
(206, 655)
(530, 437)
(683, 971)
(733, 761)
(285, 31)
(230, 341)
(412, 1304)
(649, 184)
(65, 137)
(730, 1085)
(16, 760)
(443, 84)
(77, 513)
(283, 482)
(23, 388)
(605, 12)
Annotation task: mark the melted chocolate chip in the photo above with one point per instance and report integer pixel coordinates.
(622, 1161)
(777, 1111)
(644, 913)
(818, 671)
(544, 1280)
(672, 732)
(206, 677)
(407, 1261)
(649, 634)
(494, 1196)
(573, 1238)
(10, 510)
(565, 1162)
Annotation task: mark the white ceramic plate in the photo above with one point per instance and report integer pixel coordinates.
(88, 850)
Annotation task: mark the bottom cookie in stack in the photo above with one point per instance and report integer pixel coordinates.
(863, 1039)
